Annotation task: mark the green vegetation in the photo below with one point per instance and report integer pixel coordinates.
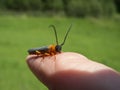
(95, 8)
(97, 39)
(75, 8)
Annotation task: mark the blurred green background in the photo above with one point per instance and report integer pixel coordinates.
(24, 24)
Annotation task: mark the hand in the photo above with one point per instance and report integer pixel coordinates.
(73, 71)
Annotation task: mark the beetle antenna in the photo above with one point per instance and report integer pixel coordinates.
(66, 35)
(55, 33)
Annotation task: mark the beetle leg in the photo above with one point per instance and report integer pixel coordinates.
(47, 54)
(38, 52)
(53, 54)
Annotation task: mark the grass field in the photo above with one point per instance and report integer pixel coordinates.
(98, 39)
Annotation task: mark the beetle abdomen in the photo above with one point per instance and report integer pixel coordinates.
(42, 50)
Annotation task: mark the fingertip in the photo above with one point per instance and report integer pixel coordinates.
(30, 58)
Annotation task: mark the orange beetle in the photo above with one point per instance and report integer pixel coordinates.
(51, 49)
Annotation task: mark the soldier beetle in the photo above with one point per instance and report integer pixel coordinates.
(51, 49)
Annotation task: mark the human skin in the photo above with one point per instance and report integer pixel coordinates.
(73, 71)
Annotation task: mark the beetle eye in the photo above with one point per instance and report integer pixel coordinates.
(58, 48)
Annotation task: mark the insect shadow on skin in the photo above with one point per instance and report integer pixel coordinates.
(50, 50)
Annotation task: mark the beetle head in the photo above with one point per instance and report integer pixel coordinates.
(58, 48)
